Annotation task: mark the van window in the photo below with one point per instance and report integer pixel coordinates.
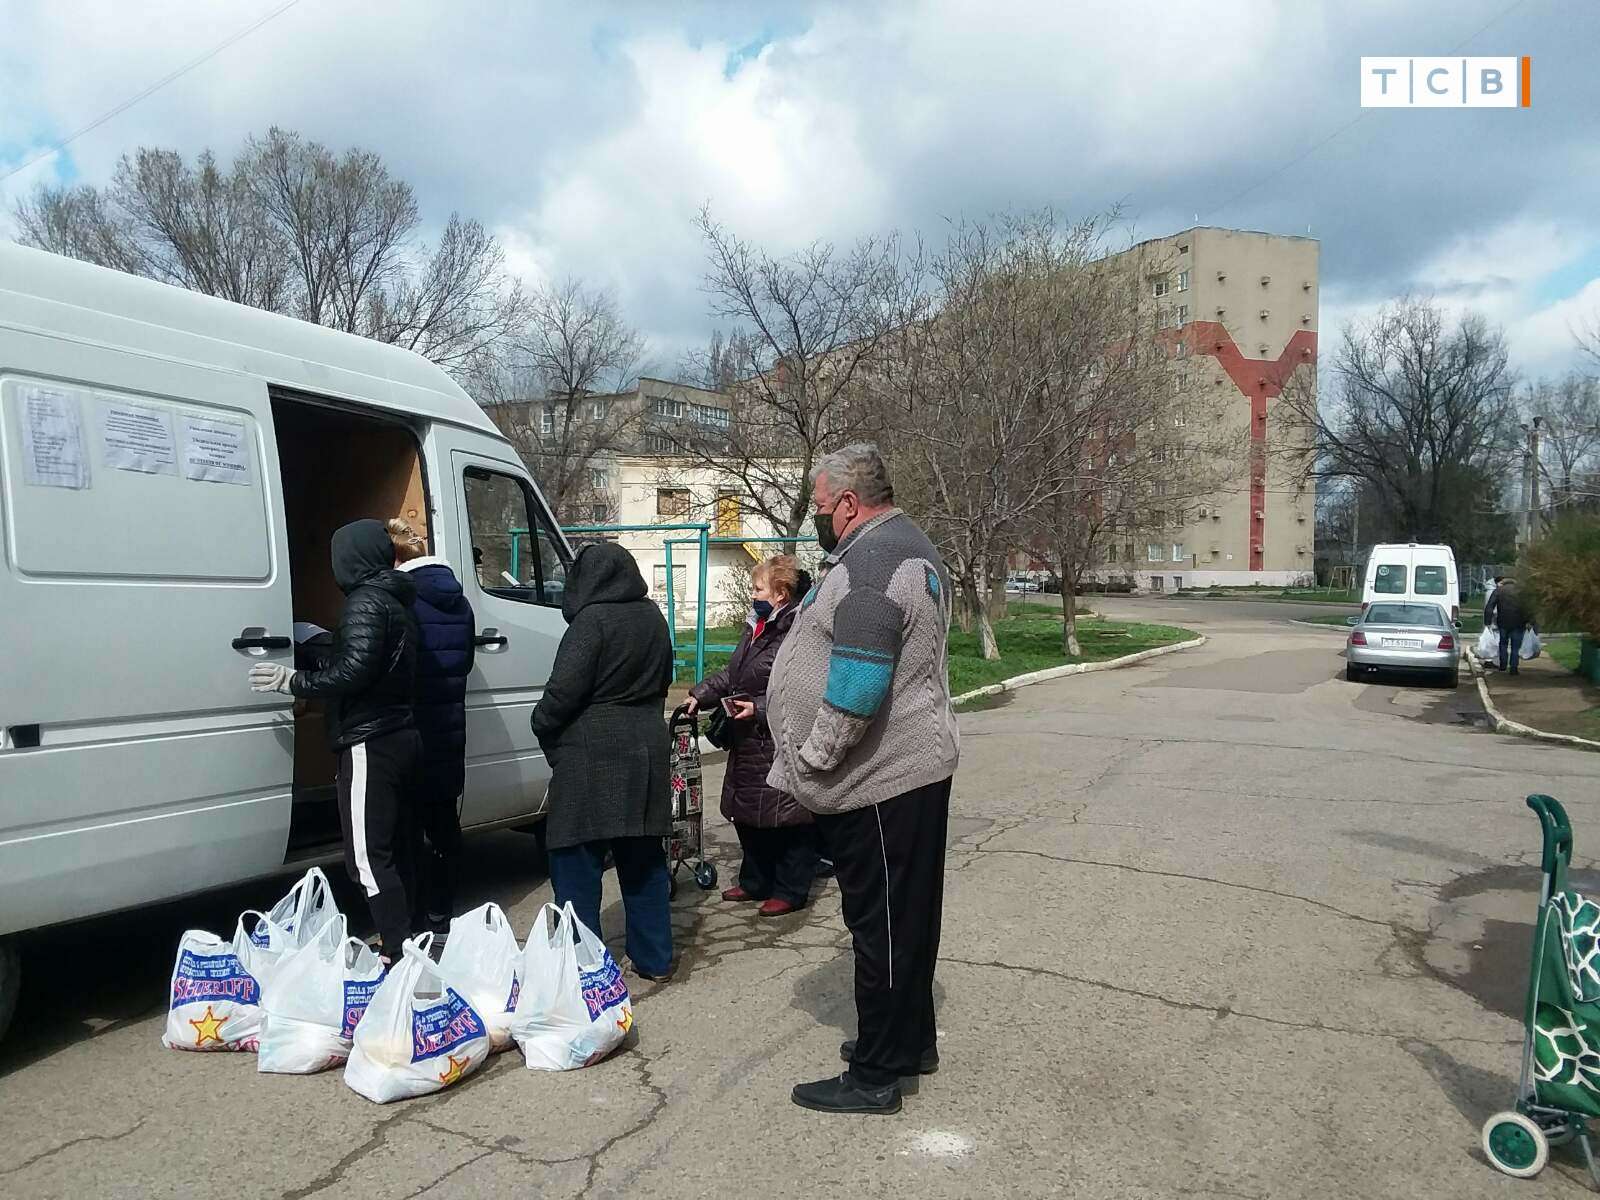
(96, 481)
(514, 550)
(1389, 579)
(1431, 581)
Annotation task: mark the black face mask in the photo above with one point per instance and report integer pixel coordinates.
(827, 538)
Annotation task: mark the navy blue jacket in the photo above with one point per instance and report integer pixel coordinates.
(445, 633)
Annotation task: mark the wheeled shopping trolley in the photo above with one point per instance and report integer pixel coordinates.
(687, 839)
(1559, 1089)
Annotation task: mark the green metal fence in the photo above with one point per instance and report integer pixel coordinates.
(702, 540)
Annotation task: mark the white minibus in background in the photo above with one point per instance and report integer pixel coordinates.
(172, 467)
(1411, 571)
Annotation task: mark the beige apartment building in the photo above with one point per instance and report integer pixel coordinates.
(1244, 306)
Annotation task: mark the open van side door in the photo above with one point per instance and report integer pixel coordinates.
(144, 571)
(512, 563)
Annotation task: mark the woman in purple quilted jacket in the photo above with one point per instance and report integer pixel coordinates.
(779, 837)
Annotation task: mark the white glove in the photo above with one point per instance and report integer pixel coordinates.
(271, 677)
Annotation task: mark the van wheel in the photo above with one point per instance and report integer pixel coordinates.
(10, 982)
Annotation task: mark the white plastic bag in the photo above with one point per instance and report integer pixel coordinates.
(482, 960)
(419, 1035)
(215, 1001)
(574, 1008)
(314, 1002)
(1530, 644)
(1489, 644)
(300, 916)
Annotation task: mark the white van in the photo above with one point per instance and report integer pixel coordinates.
(1412, 572)
(171, 469)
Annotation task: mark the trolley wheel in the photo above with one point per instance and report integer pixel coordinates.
(706, 876)
(1515, 1144)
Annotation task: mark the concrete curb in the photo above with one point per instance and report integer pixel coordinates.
(1051, 674)
(1503, 724)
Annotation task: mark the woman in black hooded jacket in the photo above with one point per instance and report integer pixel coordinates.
(602, 727)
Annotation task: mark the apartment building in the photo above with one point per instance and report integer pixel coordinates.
(1244, 306)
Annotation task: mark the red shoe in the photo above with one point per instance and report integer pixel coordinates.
(778, 908)
(738, 893)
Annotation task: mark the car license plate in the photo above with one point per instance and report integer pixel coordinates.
(1403, 643)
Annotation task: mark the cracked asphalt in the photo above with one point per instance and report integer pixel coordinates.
(1221, 924)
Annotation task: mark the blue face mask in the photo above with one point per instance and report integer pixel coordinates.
(762, 609)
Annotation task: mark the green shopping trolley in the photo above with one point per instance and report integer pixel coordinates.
(1559, 1089)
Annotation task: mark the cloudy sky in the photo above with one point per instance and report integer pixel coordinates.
(588, 134)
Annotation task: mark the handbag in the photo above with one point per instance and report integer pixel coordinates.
(721, 729)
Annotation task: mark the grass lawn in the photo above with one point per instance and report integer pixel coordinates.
(1302, 595)
(1564, 651)
(1033, 643)
(1029, 641)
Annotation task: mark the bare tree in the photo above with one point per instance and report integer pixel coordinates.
(1569, 413)
(804, 324)
(554, 390)
(294, 228)
(1422, 413)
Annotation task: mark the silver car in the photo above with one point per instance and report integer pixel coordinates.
(1403, 636)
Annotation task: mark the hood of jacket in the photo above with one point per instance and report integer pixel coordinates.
(603, 573)
(364, 553)
(436, 583)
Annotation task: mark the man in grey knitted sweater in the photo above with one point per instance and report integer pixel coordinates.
(859, 708)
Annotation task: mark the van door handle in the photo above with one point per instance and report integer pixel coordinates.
(262, 643)
(484, 639)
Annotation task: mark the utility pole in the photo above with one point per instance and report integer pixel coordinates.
(1527, 488)
(1535, 521)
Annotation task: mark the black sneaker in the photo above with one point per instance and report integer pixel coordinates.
(927, 1065)
(846, 1095)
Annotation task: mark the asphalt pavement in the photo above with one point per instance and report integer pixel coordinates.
(1221, 924)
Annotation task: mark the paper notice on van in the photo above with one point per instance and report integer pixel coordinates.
(136, 437)
(216, 451)
(52, 439)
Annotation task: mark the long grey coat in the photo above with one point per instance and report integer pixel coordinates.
(600, 721)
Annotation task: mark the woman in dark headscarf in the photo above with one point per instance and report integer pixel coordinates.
(602, 729)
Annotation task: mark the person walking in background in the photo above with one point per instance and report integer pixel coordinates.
(1510, 615)
(859, 706)
(602, 727)
(367, 686)
(445, 646)
(777, 833)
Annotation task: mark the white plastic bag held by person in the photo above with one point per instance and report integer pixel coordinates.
(214, 1002)
(314, 1002)
(1489, 644)
(419, 1034)
(1531, 645)
(574, 1008)
(482, 960)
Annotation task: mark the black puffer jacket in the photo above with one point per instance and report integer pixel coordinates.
(368, 680)
(746, 798)
(600, 721)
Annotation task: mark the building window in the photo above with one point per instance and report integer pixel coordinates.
(547, 420)
(1155, 552)
(597, 410)
(1179, 420)
(680, 582)
(672, 502)
(1157, 584)
(1159, 286)
(1183, 281)
(710, 414)
(1177, 583)
(599, 514)
(1181, 350)
(1177, 552)
(665, 406)
(659, 443)
(1183, 315)
(1160, 456)
(1183, 248)
(1127, 553)
(600, 480)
